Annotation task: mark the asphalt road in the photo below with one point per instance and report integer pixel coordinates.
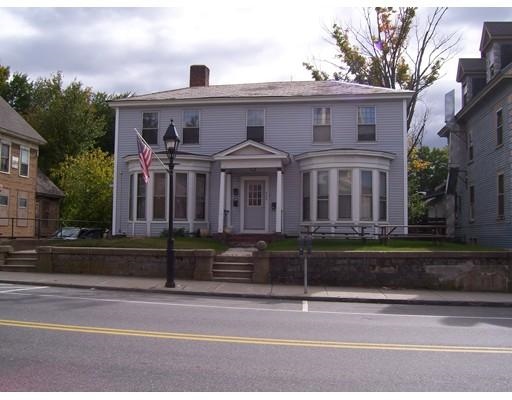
(58, 339)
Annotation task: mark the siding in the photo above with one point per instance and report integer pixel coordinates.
(288, 127)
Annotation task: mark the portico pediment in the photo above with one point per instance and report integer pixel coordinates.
(252, 154)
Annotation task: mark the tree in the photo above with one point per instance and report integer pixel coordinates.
(428, 168)
(394, 50)
(66, 118)
(86, 179)
(16, 90)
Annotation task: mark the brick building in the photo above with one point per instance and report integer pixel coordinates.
(19, 149)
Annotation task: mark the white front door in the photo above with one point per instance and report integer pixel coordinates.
(254, 205)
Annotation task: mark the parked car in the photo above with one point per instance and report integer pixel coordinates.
(74, 233)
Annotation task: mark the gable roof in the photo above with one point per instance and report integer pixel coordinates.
(253, 91)
(495, 30)
(250, 149)
(13, 124)
(470, 66)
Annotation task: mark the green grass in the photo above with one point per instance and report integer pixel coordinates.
(145, 243)
(371, 245)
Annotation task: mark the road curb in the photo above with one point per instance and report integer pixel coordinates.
(271, 296)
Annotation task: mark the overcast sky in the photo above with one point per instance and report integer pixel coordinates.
(144, 50)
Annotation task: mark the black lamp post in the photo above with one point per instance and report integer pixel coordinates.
(172, 141)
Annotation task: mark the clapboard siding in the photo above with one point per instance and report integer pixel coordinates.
(288, 127)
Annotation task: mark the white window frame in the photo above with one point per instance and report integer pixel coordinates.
(338, 217)
(23, 148)
(313, 125)
(372, 216)
(157, 127)
(198, 126)
(2, 143)
(357, 124)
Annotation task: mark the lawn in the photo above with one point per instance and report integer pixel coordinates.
(145, 243)
(375, 245)
(278, 245)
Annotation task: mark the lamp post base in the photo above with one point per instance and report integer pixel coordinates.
(170, 284)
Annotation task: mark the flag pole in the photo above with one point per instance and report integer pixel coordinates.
(146, 143)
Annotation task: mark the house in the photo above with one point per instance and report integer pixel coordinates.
(19, 149)
(263, 157)
(480, 143)
(48, 198)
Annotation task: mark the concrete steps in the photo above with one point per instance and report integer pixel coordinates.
(233, 268)
(20, 262)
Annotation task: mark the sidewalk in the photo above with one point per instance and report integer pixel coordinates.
(269, 291)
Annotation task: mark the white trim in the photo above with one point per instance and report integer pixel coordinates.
(247, 121)
(406, 187)
(356, 194)
(20, 162)
(279, 201)
(198, 126)
(116, 171)
(227, 199)
(191, 200)
(356, 139)
(330, 141)
(270, 151)
(9, 143)
(157, 128)
(222, 193)
(243, 180)
(262, 100)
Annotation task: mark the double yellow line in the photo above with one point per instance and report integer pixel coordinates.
(254, 341)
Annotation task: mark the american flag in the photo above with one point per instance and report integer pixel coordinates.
(144, 157)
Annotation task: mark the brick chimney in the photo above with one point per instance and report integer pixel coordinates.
(199, 75)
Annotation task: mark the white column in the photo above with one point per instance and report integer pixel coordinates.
(115, 227)
(222, 194)
(356, 194)
(333, 194)
(279, 200)
(314, 190)
(227, 205)
(191, 200)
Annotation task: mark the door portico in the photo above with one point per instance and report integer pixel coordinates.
(252, 156)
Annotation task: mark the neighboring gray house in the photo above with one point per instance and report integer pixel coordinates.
(264, 157)
(480, 143)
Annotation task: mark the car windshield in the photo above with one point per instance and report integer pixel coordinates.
(69, 232)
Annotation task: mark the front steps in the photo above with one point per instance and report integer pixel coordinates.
(233, 266)
(20, 262)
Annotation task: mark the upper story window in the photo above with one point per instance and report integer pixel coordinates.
(191, 127)
(24, 161)
(321, 125)
(150, 127)
(501, 196)
(5, 151)
(366, 124)
(470, 146)
(499, 127)
(256, 125)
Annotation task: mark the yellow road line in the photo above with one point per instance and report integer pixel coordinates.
(251, 340)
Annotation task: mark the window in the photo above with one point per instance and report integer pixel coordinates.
(306, 215)
(200, 197)
(150, 127)
(366, 124)
(344, 194)
(130, 200)
(470, 146)
(24, 161)
(4, 209)
(321, 125)
(4, 200)
(366, 196)
(159, 196)
(191, 127)
(180, 197)
(501, 196)
(471, 203)
(256, 125)
(506, 55)
(322, 197)
(22, 213)
(383, 196)
(141, 197)
(5, 151)
(499, 127)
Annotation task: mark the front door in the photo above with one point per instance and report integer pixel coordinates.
(255, 205)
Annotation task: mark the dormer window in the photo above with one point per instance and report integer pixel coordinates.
(506, 55)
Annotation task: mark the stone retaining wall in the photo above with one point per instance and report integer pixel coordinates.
(190, 264)
(484, 271)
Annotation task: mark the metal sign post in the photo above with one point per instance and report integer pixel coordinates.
(305, 246)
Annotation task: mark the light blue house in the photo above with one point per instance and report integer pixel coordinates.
(264, 158)
(480, 143)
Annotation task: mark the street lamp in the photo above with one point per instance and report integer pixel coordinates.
(172, 141)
